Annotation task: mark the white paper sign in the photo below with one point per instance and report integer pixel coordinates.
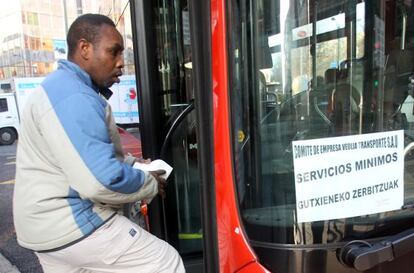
(348, 176)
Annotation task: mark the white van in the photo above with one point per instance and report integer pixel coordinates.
(9, 118)
(12, 101)
(16, 91)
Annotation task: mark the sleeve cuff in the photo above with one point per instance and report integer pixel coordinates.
(130, 160)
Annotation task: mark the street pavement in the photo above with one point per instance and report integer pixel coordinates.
(13, 258)
(6, 266)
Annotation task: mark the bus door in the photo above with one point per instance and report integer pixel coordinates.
(163, 54)
(321, 101)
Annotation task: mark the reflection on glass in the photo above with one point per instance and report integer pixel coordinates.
(322, 74)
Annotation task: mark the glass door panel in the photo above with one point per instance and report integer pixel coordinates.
(170, 75)
(329, 69)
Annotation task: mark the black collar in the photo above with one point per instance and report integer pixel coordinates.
(106, 92)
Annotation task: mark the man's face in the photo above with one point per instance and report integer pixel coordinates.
(106, 62)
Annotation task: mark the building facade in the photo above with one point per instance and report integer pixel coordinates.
(33, 33)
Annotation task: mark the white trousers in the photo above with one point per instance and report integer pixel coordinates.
(117, 246)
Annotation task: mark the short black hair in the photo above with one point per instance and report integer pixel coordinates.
(86, 26)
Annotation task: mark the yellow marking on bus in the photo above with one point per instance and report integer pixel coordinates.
(7, 182)
(190, 236)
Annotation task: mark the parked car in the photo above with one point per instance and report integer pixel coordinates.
(130, 143)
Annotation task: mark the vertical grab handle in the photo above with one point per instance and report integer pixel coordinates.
(404, 24)
(408, 148)
(177, 121)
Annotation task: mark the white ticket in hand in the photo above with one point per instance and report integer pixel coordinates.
(158, 164)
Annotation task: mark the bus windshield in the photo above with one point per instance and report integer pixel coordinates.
(322, 71)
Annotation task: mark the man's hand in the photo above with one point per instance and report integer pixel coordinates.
(145, 161)
(162, 184)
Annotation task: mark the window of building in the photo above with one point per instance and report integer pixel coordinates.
(24, 18)
(32, 18)
(3, 105)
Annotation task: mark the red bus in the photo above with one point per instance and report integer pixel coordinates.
(232, 93)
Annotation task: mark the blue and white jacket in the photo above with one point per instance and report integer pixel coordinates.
(71, 175)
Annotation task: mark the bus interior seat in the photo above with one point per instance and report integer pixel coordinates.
(343, 101)
(399, 68)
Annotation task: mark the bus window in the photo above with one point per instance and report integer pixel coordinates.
(338, 68)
